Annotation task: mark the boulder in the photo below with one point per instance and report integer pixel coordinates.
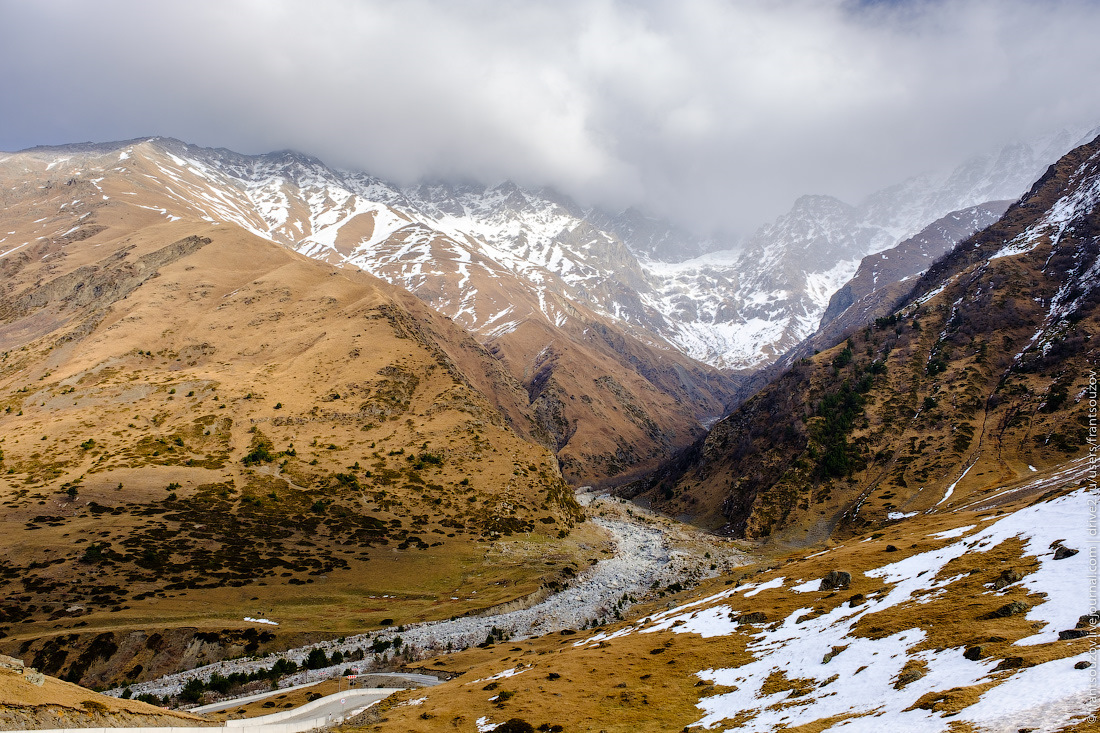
(1073, 634)
(1082, 665)
(836, 580)
(1010, 609)
(756, 617)
(1089, 619)
(1007, 578)
(974, 653)
(1063, 552)
(1011, 663)
(906, 677)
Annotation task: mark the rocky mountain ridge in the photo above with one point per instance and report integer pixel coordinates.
(495, 257)
(609, 403)
(976, 378)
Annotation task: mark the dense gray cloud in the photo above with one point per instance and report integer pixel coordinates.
(713, 113)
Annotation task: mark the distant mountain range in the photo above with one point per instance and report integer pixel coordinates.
(495, 257)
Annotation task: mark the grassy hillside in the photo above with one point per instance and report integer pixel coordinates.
(25, 705)
(198, 426)
(968, 620)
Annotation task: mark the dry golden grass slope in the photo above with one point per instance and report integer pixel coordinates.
(58, 704)
(968, 621)
(610, 402)
(198, 425)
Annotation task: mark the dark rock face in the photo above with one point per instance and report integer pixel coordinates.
(756, 617)
(836, 580)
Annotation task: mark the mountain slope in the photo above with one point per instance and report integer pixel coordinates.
(198, 426)
(885, 278)
(979, 375)
(493, 257)
(31, 701)
(610, 403)
(913, 256)
(971, 619)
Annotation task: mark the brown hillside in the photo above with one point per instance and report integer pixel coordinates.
(26, 705)
(198, 425)
(611, 402)
(980, 375)
(946, 622)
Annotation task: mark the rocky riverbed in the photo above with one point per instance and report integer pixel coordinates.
(651, 552)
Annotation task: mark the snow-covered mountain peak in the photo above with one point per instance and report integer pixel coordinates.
(474, 251)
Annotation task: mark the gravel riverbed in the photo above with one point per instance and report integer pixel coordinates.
(643, 559)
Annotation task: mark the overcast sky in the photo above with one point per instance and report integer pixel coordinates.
(715, 114)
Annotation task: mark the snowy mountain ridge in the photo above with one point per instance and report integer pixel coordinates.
(490, 257)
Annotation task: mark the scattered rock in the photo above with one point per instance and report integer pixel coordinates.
(1089, 619)
(1063, 552)
(835, 650)
(1011, 663)
(906, 677)
(974, 653)
(1082, 665)
(1010, 609)
(1007, 577)
(1073, 634)
(756, 617)
(553, 676)
(836, 580)
(891, 548)
(856, 600)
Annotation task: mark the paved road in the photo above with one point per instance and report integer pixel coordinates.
(340, 705)
(426, 680)
(215, 707)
